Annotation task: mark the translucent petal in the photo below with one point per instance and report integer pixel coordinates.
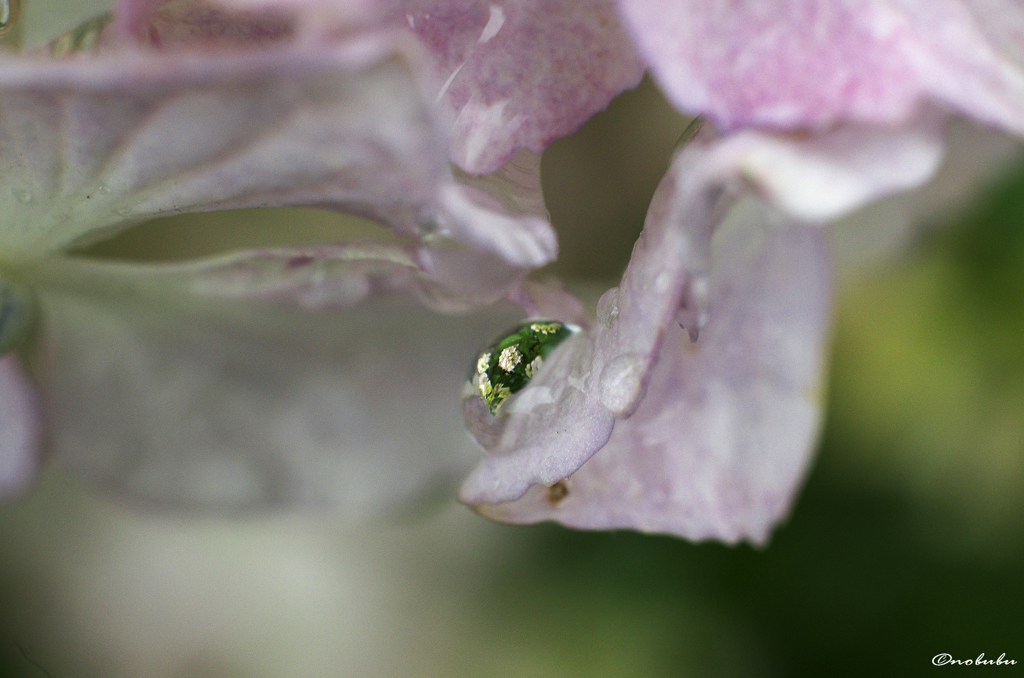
(90, 145)
(719, 445)
(317, 376)
(487, 233)
(601, 373)
(519, 73)
(810, 63)
(606, 373)
(820, 177)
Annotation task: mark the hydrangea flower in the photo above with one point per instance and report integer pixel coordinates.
(692, 404)
(689, 406)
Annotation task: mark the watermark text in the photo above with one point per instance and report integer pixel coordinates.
(945, 659)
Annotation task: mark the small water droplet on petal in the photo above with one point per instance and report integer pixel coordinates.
(508, 365)
(608, 307)
(621, 380)
(693, 309)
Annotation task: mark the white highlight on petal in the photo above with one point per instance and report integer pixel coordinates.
(448, 82)
(494, 24)
(476, 121)
(621, 379)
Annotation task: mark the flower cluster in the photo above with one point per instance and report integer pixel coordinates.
(331, 374)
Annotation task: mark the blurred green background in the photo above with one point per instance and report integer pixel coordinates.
(905, 542)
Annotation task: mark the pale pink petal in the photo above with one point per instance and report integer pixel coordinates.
(565, 415)
(328, 277)
(801, 63)
(198, 25)
(502, 213)
(488, 232)
(312, 376)
(821, 177)
(146, 20)
(89, 146)
(541, 435)
(719, 445)
(519, 73)
(478, 236)
(132, 17)
(362, 141)
(319, 16)
(20, 427)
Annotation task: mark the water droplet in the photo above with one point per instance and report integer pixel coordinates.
(693, 308)
(621, 380)
(508, 365)
(428, 226)
(15, 316)
(23, 196)
(662, 282)
(608, 307)
(104, 190)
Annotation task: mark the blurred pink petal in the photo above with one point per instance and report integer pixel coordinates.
(142, 20)
(350, 130)
(316, 376)
(326, 374)
(202, 26)
(20, 427)
(519, 73)
(809, 63)
(132, 17)
(89, 146)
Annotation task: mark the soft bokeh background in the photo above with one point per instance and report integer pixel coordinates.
(906, 541)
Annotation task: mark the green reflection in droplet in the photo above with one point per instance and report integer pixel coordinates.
(509, 364)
